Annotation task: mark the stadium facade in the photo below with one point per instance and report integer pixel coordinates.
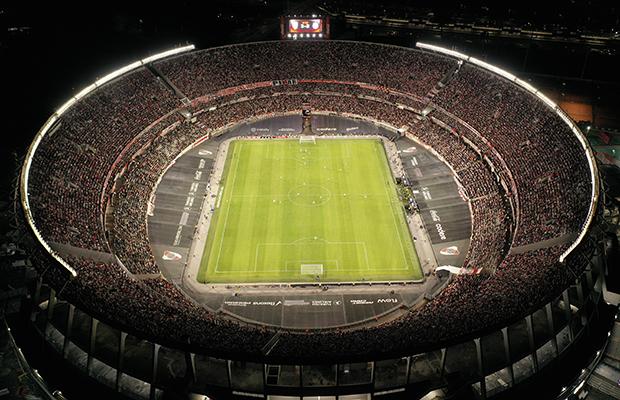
(112, 299)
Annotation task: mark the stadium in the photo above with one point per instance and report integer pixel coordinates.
(312, 218)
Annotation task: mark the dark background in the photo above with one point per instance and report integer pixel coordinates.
(49, 51)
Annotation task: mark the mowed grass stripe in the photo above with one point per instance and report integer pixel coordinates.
(284, 204)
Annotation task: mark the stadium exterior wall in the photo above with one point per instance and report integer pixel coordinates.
(57, 320)
(510, 354)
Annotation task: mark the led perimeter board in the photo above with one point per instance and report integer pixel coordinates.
(314, 27)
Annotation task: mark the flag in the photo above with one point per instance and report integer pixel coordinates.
(171, 256)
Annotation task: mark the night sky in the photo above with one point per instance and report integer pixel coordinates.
(50, 51)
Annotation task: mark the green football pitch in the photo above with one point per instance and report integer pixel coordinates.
(307, 212)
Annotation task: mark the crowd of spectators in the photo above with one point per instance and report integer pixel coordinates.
(150, 307)
(549, 164)
(489, 211)
(128, 130)
(208, 71)
(471, 303)
(132, 192)
(70, 166)
(154, 308)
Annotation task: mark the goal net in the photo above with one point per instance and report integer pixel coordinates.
(307, 140)
(312, 269)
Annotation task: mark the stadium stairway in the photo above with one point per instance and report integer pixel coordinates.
(443, 82)
(543, 244)
(271, 343)
(72, 251)
(604, 382)
(168, 83)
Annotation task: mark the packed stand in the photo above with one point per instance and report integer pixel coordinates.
(551, 170)
(490, 214)
(72, 164)
(199, 73)
(72, 161)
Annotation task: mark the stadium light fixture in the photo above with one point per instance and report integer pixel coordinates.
(107, 78)
(493, 68)
(547, 100)
(573, 127)
(168, 53)
(443, 50)
(579, 387)
(66, 105)
(85, 91)
(525, 85)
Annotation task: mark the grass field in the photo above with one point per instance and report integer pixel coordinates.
(292, 212)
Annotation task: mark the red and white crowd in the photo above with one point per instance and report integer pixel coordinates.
(112, 146)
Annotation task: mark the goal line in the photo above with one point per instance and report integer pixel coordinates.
(307, 140)
(311, 269)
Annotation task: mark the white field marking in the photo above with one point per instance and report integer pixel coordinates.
(306, 243)
(292, 199)
(248, 196)
(356, 268)
(312, 157)
(220, 194)
(411, 249)
(184, 217)
(238, 270)
(298, 263)
(309, 240)
(255, 258)
(312, 269)
(402, 248)
(243, 268)
(232, 187)
(366, 254)
(252, 196)
(346, 155)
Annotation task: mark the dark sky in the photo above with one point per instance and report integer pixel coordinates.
(48, 51)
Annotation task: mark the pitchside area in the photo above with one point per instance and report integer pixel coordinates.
(308, 211)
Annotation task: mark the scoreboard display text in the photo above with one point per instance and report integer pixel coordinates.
(296, 28)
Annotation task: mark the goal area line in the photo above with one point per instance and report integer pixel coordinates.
(307, 140)
(311, 269)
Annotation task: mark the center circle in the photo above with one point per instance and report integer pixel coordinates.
(309, 195)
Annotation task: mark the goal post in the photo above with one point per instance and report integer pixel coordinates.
(311, 269)
(307, 140)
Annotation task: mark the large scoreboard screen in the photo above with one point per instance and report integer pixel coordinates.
(303, 28)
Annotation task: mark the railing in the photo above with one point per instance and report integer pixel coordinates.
(25, 367)
(512, 354)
